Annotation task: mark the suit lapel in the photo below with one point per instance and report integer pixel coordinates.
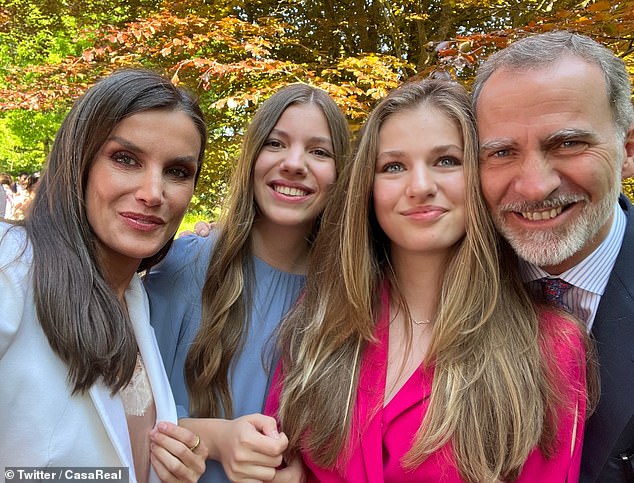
(112, 416)
(614, 332)
(110, 408)
(139, 310)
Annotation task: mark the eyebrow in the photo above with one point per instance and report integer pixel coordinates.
(568, 134)
(551, 140)
(435, 150)
(133, 147)
(447, 147)
(125, 143)
(313, 139)
(495, 144)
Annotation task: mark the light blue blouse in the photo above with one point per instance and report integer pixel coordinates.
(174, 288)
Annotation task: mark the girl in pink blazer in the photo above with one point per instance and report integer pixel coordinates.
(415, 353)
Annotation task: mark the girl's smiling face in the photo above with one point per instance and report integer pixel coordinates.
(295, 168)
(419, 187)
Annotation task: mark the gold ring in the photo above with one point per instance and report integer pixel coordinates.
(193, 448)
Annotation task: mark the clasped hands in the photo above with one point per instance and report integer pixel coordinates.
(250, 448)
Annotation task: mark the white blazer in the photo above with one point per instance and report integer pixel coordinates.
(41, 422)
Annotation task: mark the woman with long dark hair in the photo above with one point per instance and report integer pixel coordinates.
(82, 379)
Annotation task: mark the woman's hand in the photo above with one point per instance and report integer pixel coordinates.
(177, 454)
(249, 448)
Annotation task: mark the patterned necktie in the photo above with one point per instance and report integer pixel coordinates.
(553, 290)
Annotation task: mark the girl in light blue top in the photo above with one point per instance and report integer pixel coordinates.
(216, 302)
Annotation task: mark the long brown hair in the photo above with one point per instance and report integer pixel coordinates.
(483, 321)
(227, 291)
(80, 314)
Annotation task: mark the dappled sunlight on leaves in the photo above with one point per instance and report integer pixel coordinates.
(235, 55)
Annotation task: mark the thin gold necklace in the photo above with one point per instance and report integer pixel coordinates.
(421, 322)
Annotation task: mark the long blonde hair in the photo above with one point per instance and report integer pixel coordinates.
(492, 391)
(227, 292)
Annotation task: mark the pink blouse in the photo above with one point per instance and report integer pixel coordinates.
(384, 434)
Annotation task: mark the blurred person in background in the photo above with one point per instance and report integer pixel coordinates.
(6, 196)
(24, 197)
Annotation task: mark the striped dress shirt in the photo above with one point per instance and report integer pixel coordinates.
(589, 277)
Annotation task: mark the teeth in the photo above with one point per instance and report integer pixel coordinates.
(542, 215)
(288, 191)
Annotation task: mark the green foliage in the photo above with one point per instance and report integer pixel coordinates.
(236, 54)
(192, 217)
(26, 138)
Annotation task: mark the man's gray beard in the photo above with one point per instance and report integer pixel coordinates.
(546, 248)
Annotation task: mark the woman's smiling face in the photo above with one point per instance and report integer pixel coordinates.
(140, 184)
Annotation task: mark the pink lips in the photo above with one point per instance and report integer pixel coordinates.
(425, 213)
(142, 222)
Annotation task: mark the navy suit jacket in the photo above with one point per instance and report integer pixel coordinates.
(609, 434)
